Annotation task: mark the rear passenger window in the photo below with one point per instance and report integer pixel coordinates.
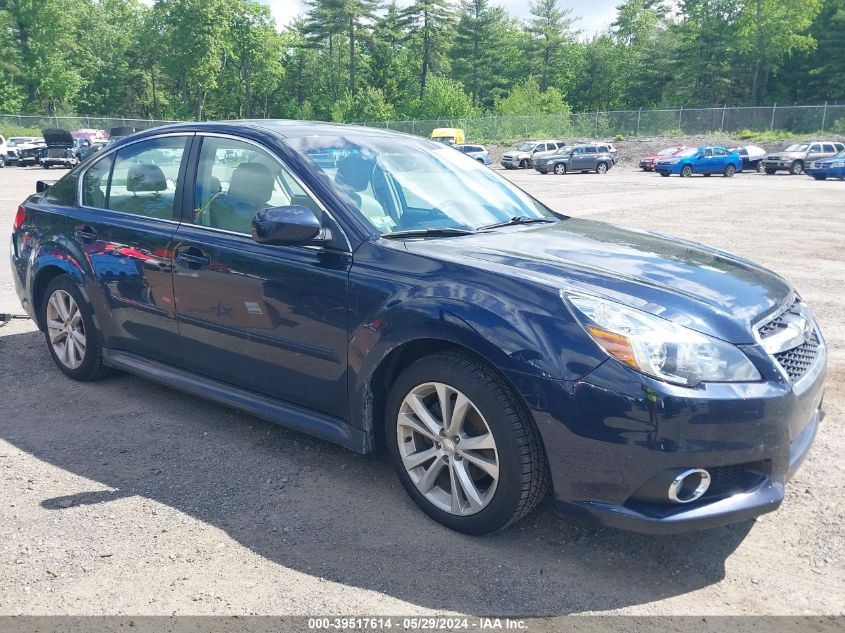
(143, 180)
(591, 150)
(95, 183)
(829, 148)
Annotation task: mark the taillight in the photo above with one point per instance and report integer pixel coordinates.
(20, 217)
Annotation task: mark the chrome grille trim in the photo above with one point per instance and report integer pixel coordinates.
(792, 338)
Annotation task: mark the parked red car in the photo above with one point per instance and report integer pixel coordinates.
(647, 162)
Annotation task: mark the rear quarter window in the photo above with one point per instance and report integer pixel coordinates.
(63, 193)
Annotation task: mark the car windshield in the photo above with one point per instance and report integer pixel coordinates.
(409, 185)
(564, 150)
(526, 147)
(690, 151)
(798, 147)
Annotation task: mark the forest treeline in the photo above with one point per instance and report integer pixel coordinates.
(353, 60)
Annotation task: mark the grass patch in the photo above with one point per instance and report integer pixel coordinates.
(13, 130)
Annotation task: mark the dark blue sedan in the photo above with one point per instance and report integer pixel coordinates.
(833, 167)
(375, 289)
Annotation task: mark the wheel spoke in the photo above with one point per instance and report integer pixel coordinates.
(467, 485)
(419, 458)
(411, 421)
(486, 464)
(57, 336)
(54, 325)
(59, 307)
(444, 395)
(478, 443)
(72, 313)
(456, 502)
(424, 415)
(428, 480)
(459, 413)
(78, 338)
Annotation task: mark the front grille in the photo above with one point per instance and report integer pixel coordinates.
(778, 322)
(798, 360)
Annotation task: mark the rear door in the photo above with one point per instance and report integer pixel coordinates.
(271, 319)
(124, 225)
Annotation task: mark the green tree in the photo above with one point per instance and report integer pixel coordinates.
(367, 104)
(527, 98)
(554, 41)
(430, 23)
(445, 99)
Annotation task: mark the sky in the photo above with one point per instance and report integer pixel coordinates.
(596, 15)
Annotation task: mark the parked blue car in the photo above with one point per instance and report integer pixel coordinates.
(700, 160)
(478, 152)
(833, 167)
(376, 289)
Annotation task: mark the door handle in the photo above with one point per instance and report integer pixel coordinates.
(192, 258)
(84, 233)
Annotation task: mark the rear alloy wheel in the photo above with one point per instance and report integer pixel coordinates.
(796, 167)
(462, 444)
(730, 170)
(560, 169)
(70, 331)
(686, 172)
(601, 168)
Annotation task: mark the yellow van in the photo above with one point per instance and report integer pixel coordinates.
(448, 135)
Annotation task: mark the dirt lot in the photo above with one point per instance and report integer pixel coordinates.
(126, 497)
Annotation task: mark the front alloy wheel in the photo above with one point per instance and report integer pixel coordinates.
(447, 449)
(463, 443)
(686, 172)
(560, 169)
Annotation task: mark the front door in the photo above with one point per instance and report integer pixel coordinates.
(124, 226)
(271, 319)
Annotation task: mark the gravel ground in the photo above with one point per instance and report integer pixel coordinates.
(124, 497)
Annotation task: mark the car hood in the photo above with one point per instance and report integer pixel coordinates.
(544, 155)
(58, 138)
(690, 284)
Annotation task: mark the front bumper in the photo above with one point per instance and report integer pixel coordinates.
(828, 172)
(668, 169)
(615, 430)
(514, 163)
(779, 164)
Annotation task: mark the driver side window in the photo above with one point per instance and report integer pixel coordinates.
(235, 180)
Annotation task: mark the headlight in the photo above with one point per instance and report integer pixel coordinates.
(838, 164)
(658, 347)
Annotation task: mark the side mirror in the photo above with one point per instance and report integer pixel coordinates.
(699, 156)
(290, 225)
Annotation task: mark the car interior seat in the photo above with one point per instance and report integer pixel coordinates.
(250, 189)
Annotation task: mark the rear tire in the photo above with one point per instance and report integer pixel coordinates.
(820, 177)
(601, 168)
(72, 337)
(729, 172)
(665, 174)
(796, 167)
(436, 469)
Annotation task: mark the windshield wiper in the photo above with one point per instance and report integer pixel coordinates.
(429, 232)
(519, 219)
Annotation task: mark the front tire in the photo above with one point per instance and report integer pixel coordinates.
(820, 177)
(796, 167)
(479, 467)
(69, 329)
(523, 164)
(770, 171)
(560, 169)
(686, 172)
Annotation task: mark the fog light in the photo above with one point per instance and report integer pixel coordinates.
(689, 485)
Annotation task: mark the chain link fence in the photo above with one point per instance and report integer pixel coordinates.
(34, 123)
(637, 123)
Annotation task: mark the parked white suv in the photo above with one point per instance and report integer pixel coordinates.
(521, 157)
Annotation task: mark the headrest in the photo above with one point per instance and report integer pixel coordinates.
(251, 183)
(354, 172)
(145, 178)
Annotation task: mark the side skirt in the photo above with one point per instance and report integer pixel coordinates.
(294, 417)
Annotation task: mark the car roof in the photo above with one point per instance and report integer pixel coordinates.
(282, 127)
